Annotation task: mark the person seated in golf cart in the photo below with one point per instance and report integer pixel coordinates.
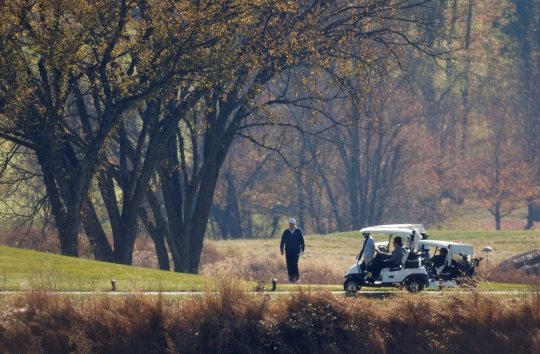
(439, 261)
(387, 261)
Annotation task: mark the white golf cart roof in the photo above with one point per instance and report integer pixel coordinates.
(386, 230)
(453, 247)
(405, 230)
(418, 227)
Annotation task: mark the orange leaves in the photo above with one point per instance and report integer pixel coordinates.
(500, 176)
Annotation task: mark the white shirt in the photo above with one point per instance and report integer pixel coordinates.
(370, 245)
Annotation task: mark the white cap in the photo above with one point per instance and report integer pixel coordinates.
(292, 221)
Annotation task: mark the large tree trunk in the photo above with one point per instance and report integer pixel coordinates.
(67, 228)
(171, 188)
(217, 141)
(108, 195)
(200, 219)
(96, 235)
(135, 185)
(158, 238)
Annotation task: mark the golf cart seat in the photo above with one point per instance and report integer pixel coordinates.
(403, 262)
(443, 273)
(440, 269)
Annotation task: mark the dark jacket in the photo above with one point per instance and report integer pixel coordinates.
(438, 261)
(293, 241)
(397, 255)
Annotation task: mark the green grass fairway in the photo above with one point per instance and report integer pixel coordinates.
(22, 270)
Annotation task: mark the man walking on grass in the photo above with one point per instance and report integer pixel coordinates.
(293, 240)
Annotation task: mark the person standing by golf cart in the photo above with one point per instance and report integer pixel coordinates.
(369, 248)
(293, 242)
(388, 261)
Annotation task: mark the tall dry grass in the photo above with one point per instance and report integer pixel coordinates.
(228, 319)
(494, 273)
(264, 266)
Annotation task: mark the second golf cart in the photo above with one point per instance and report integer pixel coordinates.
(459, 264)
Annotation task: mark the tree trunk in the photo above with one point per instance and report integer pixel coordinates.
(171, 188)
(232, 212)
(199, 218)
(96, 235)
(331, 198)
(530, 219)
(533, 214)
(108, 195)
(218, 215)
(368, 166)
(67, 228)
(465, 91)
(301, 200)
(217, 141)
(353, 178)
(275, 221)
(497, 215)
(159, 240)
(249, 227)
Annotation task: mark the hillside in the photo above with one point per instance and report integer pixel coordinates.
(24, 269)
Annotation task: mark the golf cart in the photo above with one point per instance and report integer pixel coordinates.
(409, 274)
(453, 272)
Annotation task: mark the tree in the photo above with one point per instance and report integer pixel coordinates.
(498, 174)
(71, 71)
(184, 83)
(524, 44)
(230, 115)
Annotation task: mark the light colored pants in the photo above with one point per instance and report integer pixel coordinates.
(367, 259)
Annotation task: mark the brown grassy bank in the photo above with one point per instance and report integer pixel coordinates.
(232, 320)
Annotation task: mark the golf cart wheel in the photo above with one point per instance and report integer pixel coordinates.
(414, 285)
(351, 286)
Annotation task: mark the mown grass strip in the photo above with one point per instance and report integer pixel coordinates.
(23, 269)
